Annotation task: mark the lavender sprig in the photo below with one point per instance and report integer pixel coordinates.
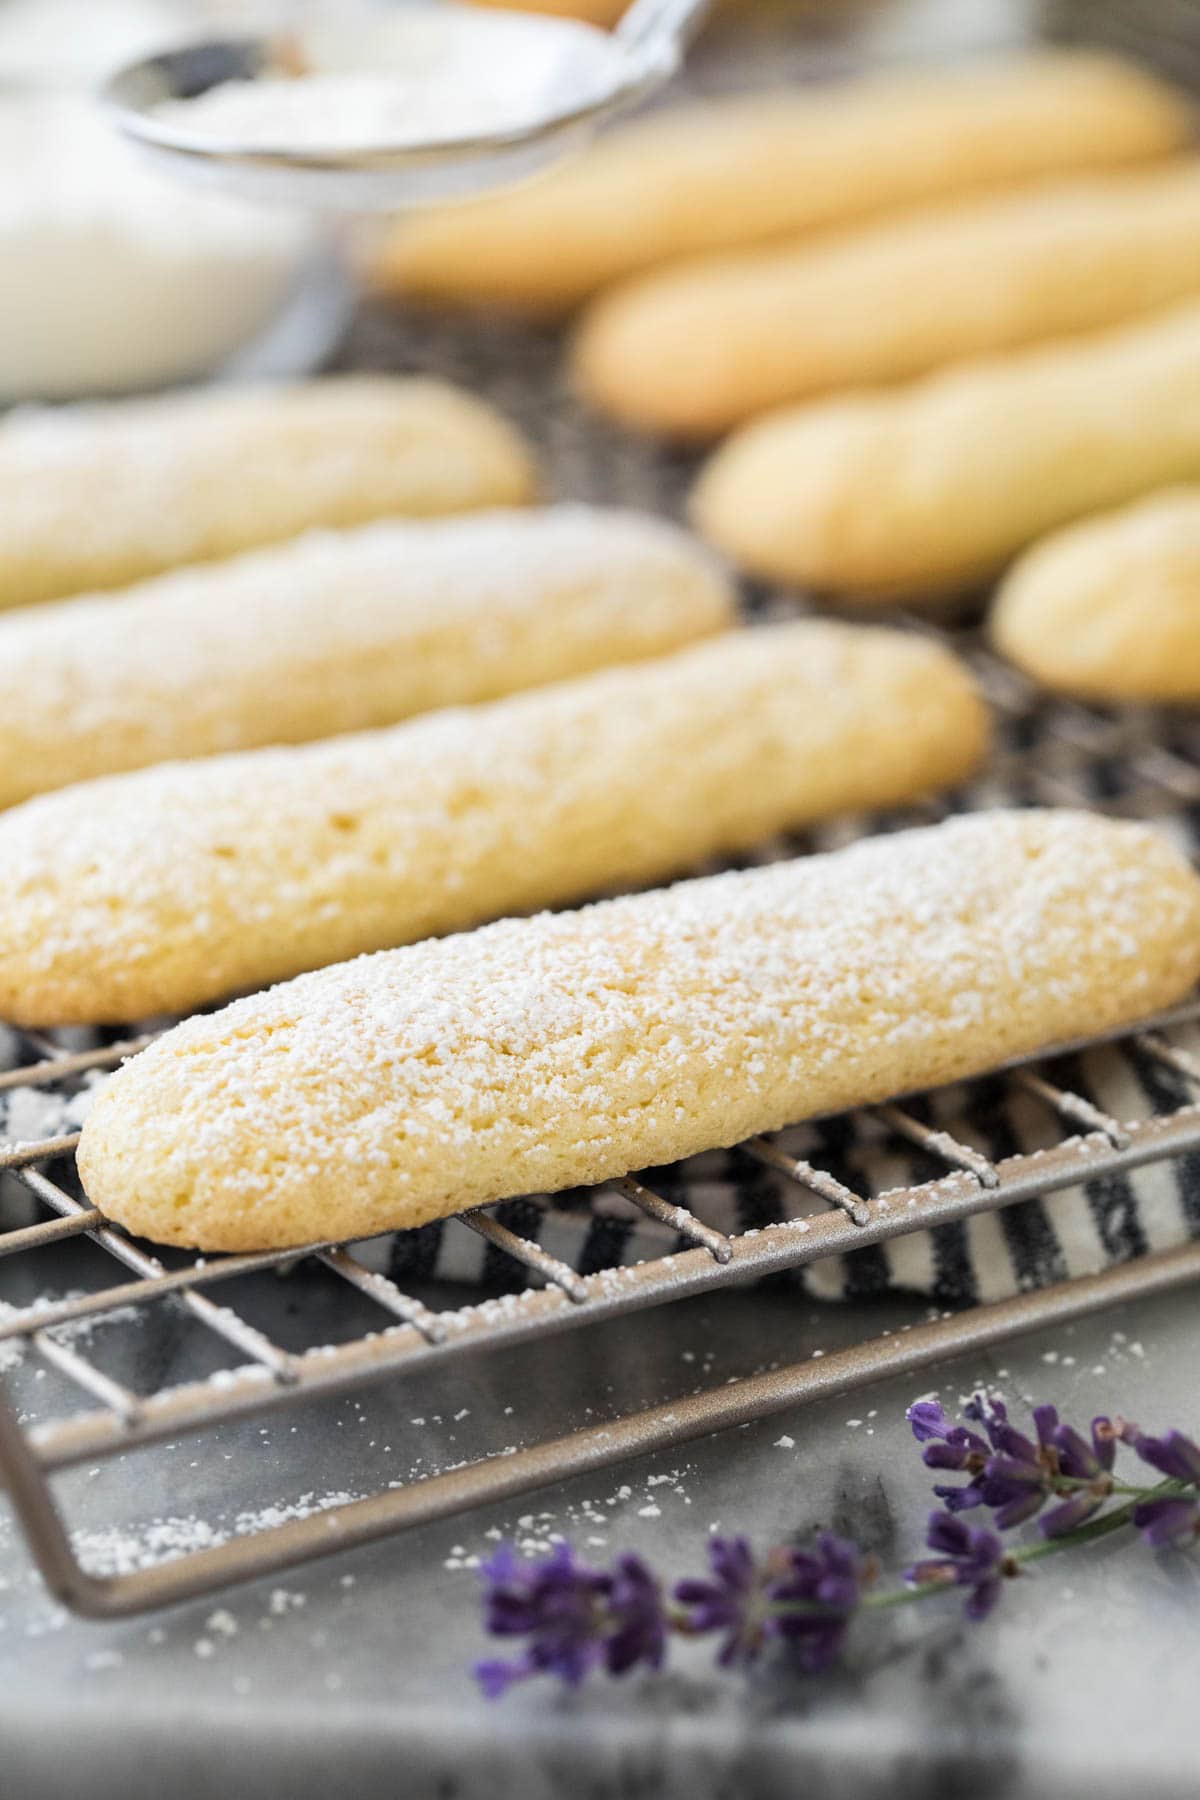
(576, 1620)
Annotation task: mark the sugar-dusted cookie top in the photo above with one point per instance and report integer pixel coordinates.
(541, 1053)
(160, 890)
(99, 495)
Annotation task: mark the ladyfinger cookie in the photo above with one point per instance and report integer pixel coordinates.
(737, 171)
(923, 490)
(100, 495)
(1110, 609)
(562, 1050)
(342, 631)
(692, 350)
(157, 891)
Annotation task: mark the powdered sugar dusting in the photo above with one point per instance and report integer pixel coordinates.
(104, 494)
(33, 1114)
(12, 1350)
(122, 1550)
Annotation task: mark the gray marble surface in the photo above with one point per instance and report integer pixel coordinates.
(348, 1678)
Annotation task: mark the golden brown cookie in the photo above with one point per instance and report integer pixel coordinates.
(923, 490)
(100, 495)
(742, 170)
(694, 349)
(561, 1050)
(160, 890)
(342, 631)
(1110, 609)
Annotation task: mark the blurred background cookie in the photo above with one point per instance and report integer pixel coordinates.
(749, 168)
(698, 347)
(1109, 610)
(926, 489)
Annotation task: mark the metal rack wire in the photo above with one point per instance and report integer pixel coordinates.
(1075, 748)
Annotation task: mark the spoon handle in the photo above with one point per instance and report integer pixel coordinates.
(659, 24)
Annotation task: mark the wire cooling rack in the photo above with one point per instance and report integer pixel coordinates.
(1131, 764)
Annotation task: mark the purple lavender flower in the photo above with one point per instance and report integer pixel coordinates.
(575, 1619)
(829, 1578)
(950, 1446)
(969, 1556)
(1004, 1466)
(1016, 1480)
(929, 1421)
(1174, 1518)
(635, 1606)
(1078, 1459)
(731, 1602)
(1172, 1454)
(1010, 1473)
(806, 1597)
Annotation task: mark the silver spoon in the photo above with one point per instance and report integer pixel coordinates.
(587, 77)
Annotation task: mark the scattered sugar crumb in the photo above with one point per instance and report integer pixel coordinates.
(283, 1601)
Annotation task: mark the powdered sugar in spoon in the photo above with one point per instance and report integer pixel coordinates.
(425, 102)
